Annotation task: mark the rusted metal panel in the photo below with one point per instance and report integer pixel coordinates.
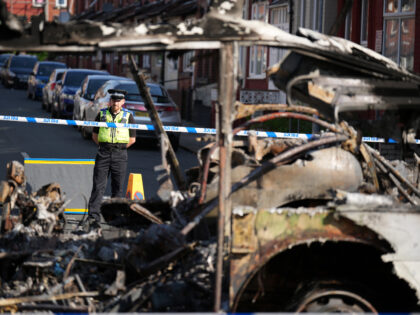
(272, 231)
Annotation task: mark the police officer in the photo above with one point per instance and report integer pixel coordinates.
(112, 153)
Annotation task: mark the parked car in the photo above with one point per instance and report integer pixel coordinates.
(167, 109)
(86, 93)
(18, 69)
(3, 61)
(48, 92)
(66, 88)
(39, 77)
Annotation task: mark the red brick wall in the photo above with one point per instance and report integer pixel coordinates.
(340, 6)
(355, 21)
(256, 84)
(375, 21)
(417, 40)
(25, 8)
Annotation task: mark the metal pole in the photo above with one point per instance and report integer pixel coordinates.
(227, 88)
(46, 10)
(157, 124)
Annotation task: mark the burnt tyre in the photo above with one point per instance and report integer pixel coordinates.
(333, 297)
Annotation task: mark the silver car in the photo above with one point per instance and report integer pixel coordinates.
(84, 96)
(167, 109)
(48, 91)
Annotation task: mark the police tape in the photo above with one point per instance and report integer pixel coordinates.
(179, 129)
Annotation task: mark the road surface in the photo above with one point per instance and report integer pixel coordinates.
(19, 140)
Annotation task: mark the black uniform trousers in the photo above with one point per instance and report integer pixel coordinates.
(109, 160)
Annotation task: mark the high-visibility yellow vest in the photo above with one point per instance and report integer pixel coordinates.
(114, 135)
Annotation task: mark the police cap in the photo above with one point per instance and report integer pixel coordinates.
(117, 94)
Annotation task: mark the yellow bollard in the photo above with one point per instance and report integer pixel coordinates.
(135, 189)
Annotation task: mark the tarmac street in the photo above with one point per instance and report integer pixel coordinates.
(28, 140)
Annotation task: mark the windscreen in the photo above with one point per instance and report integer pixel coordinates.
(3, 60)
(75, 78)
(158, 94)
(47, 69)
(59, 76)
(93, 86)
(22, 62)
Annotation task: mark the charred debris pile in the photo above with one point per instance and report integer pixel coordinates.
(162, 257)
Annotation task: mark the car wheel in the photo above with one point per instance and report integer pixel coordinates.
(333, 297)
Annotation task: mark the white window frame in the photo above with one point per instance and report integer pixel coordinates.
(243, 50)
(364, 22)
(253, 50)
(276, 54)
(146, 60)
(399, 16)
(37, 4)
(59, 5)
(187, 64)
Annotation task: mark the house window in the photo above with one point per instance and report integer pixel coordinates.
(38, 3)
(242, 49)
(363, 23)
(146, 61)
(258, 54)
(187, 65)
(61, 3)
(279, 17)
(399, 26)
